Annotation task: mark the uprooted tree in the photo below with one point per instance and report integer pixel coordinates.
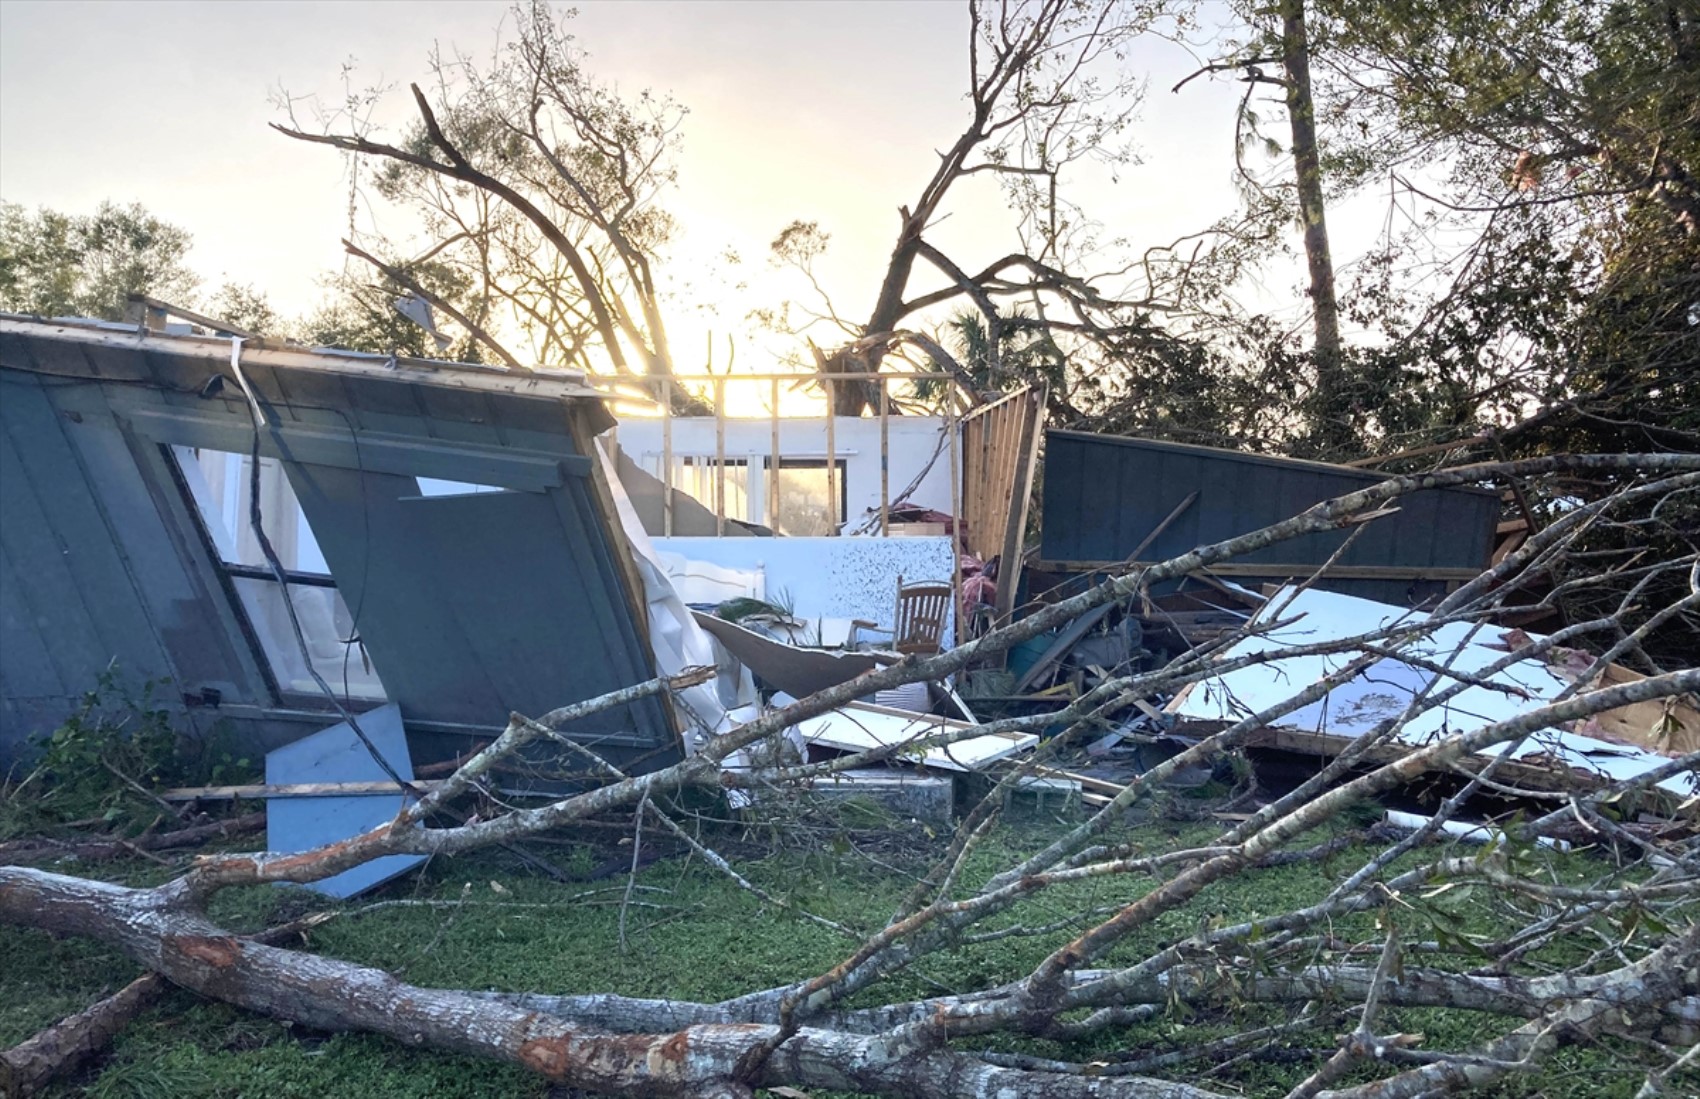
(1614, 957)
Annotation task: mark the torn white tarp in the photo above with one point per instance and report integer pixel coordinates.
(677, 641)
(1386, 688)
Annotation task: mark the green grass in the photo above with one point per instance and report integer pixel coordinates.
(492, 927)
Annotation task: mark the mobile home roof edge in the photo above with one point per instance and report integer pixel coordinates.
(215, 350)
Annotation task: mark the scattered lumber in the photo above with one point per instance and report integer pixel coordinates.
(113, 847)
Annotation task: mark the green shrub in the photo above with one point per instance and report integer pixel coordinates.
(117, 745)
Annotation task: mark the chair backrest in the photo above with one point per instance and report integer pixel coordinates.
(922, 611)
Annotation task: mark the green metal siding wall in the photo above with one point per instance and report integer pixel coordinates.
(1103, 495)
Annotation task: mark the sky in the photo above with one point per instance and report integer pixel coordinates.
(804, 109)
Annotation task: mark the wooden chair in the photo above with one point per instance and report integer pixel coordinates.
(922, 612)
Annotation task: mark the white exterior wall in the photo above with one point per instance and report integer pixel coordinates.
(829, 578)
(911, 443)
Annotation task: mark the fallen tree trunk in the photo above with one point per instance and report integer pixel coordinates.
(598, 1042)
(698, 1060)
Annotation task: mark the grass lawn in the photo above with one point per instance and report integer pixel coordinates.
(483, 923)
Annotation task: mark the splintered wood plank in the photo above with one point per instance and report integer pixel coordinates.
(254, 791)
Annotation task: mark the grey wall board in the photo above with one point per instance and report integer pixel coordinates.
(336, 754)
(153, 529)
(26, 667)
(81, 596)
(521, 581)
(1103, 495)
(475, 605)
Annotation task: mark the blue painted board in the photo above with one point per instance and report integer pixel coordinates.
(336, 755)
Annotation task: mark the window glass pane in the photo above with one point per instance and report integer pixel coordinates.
(805, 507)
(219, 483)
(695, 477)
(329, 629)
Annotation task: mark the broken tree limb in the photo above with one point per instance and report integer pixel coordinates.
(1662, 975)
(258, 790)
(402, 278)
(32, 1064)
(35, 850)
(703, 767)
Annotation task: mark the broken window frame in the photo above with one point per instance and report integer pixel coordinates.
(517, 462)
(841, 506)
(237, 578)
(694, 473)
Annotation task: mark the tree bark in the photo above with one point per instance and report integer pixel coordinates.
(1307, 170)
(32, 1064)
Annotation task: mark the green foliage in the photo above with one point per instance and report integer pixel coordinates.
(1570, 125)
(113, 732)
(1025, 353)
(245, 307)
(59, 265)
(592, 163)
(118, 739)
(360, 315)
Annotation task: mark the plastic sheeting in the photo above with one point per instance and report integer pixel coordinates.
(707, 709)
